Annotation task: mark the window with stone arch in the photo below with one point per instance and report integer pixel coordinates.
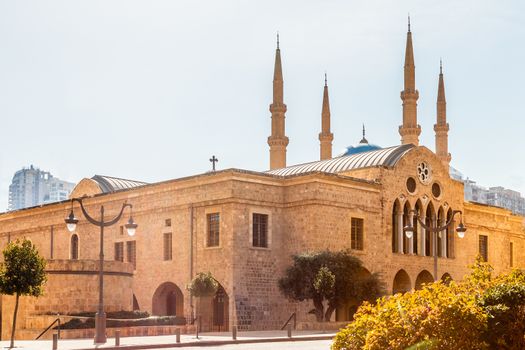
(73, 254)
(430, 221)
(442, 238)
(450, 234)
(397, 221)
(418, 230)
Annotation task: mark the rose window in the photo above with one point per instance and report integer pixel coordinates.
(424, 172)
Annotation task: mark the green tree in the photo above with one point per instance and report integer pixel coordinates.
(350, 281)
(504, 303)
(203, 285)
(324, 284)
(21, 273)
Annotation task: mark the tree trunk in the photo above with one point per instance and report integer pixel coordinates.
(329, 311)
(14, 322)
(319, 309)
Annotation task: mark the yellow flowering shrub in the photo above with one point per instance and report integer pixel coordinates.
(479, 312)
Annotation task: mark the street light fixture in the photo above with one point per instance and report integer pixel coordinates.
(409, 231)
(131, 227)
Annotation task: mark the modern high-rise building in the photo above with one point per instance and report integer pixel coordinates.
(32, 186)
(496, 196)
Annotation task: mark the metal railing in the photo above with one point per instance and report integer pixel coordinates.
(48, 327)
(294, 316)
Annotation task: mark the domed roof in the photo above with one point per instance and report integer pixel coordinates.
(362, 146)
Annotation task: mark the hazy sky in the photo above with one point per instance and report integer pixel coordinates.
(149, 90)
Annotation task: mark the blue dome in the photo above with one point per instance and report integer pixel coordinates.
(360, 148)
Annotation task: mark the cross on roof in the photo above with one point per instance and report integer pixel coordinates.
(214, 160)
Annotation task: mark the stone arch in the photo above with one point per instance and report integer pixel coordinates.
(446, 278)
(423, 277)
(406, 216)
(442, 237)
(220, 310)
(450, 235)
(397, 221)
(168, 300)
(214, 311)
(73, 247)
(418, 231)
(401, 283)
(430, 219)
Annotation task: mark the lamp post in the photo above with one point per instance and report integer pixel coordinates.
(131, 227)
(434, 229)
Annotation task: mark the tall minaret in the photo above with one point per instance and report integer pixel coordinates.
(410, 129)
(326, 137)
(277, 140)
(441, 127)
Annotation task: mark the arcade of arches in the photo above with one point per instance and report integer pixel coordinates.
(421, 242)
(403, 284)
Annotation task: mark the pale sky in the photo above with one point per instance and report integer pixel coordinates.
(150, 90)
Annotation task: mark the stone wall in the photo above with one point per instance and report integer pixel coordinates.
(71, 287)
(306, 213)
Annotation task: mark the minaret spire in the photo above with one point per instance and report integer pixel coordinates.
(363, 140)
(410, 129)
(278, 140)
(326, 137)
(441, 127)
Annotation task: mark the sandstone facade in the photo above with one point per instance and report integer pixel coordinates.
(356, 201)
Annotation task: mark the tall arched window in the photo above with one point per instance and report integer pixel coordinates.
(405, 241)
(442, 235)
(397, 222)
(430, 222)
(74, 247)
(418, 230)
(450, 236)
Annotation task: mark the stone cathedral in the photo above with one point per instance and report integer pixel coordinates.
(243, 226)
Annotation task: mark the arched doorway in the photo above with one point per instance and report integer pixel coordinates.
(423, 277)
(220, 310)
(168, 300)
(346, 311)
(446, 278)
(401, 282)
(214, 311)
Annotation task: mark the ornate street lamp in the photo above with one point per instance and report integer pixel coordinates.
(409, 231)
(131, 227)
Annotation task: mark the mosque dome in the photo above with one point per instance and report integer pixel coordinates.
(362, 146)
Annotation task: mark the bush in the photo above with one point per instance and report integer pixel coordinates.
(480, 312)
(504, 304)
(402, 320)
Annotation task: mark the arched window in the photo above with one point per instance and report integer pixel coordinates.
(405, 241)
(418, 230)
(450, 236)
(397, 222)
(429, 221)
(440, 235)
(74, 247)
